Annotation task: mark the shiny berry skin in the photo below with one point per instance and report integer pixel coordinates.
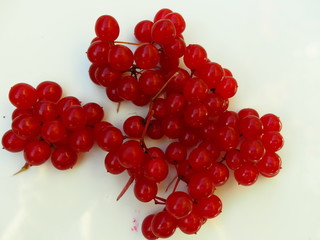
(66, 102)
(245, 112)
(177, 21)
(81, 140)
(212, 73)
(155, 130)
(172, 126)
(209, 207)
(195, 90)
(146, 56)
(107, 76)
(109, 138)
(175, 103)
(178, 81)
(200, 185)
(49, 91)
(161, 14)
(12, 143)
(250, 126)
(131, 154)
(113, 94)
(74, 118)
(179, 204)
(234, 159)
(145, 190)
(26, 127)
(107, 28)
(63, 158)
(271, 122)
(227, 87)
(97, 52)
(150, 82)
(142, 31)
(163, 31)
(37, 152)
(163, 225)
(53, 131)
(272, 141)
(227, 138)
(155, 169)
(128, 88)
(17, 112)
(23, 95)
(120, 57)
(94, 113)
(199, 157)
(216, 104)
(247, 174)
(175, 153)
(134, 126)
(159, 108)
(45, 111)
(195, 56)
(228, 118)
(146, 228)
(168, 63)
(190, 224)
(112, 164)
(269, 165)
(196, 115)
(175, 49)
(92, 72)
(219, 173)
(252, 149)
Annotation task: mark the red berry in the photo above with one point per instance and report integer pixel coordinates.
(163, 225)
(107, 28)
(53, 131)
(179, 204)
(12, 143)
(272, 141)
(23, 95)
(161, 14)
(271, 122)
(201, 185)
(146, 56)
(120, 57)
(112, 163)
(191, 223)
(146, 228)
(269, 165)
(156, 169)
(131, 154)
(195, 56)
(74, 118)
(177, 21)
(37, 152)
(64, 158)
(134, 126)
(163, 31)
(142, 31)
(247, 174)
(26, 127)
(145, 190)
(209, 207)
(94, 113)
(108, 138)
(49, 91)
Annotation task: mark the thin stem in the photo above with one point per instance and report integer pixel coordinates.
(130, 43)
(163, 87)
(172, 181)
(128, 184)
(25, 167)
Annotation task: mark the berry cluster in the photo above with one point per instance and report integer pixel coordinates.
(188, 97)
(45, 124)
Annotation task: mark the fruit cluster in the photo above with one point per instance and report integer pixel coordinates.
(45, 124)
(188, 97)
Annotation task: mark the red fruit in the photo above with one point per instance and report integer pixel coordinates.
(200, 185)
(107, 28)
(49, 91)
(23, 95)
(26, 127)
(53, 131)
(81, 140)
(12, 143)
(146, 228)
(151, 82)
(142, 31)
(195, 56)
(163, 31)
(146, 56)
(64, 158)
(179, 204)
(191, 223)
(120, 57)
(112, 163)
(131, 154)
(247, 174)
(252, 149)
(74, 118)
(155, 169)
(37, 152)
(177, 21)
(163, 225)
(209, 207)
(269, 165)
(272, 141)
(271, 122)
(134, 126)
(161, 14)
(145, 190)
(94, 113)
(108, 138)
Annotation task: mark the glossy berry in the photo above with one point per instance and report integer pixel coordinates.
(146, 228)
(74, 118)
(155, 169)
(109, 138)
(107, 28)
(53, 131)
(163, 225)
(26, 127)
(177, 21)
(200, 185)
(190, 224)
(247, 174)
(66, 102)
(49, 91)
(131, 154)
(199, 157)
(64, 158)
(112, 163)
(145, 190)
(163, 31)
(107, 76)
(195, 90)
(150, 82)
(219, 173)
(252, 149)
(45, 111)
(128, 88)
(94, 113)
(209, 207)
(142, 31)
(81, 140)
(37, 152)
(146, 56)
(195, 56)
(97, 52)
(270, 164)
(272, 141)
(161, 14)
(120, 57)
(175, 153)
(212, 73)
(134, 126)
(250, 126)
(12, 143)
(179, 204)
(271, 122)
(23, 95)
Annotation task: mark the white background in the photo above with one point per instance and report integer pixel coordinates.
(271, 46)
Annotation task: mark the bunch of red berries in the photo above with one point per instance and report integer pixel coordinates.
(187, 104)
(45, 125)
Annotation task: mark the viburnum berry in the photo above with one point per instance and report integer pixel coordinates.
(146, 228)
(64, 158)
(145, 190)
(23, 95)
(247, 174)
(195, 56)
(12, 143)
(146, 56)
(49, 91)
(107, 28)
(163, 225)
(37, 152)
(112, 163)
(163, 31)
(179, 204)
(142, 31)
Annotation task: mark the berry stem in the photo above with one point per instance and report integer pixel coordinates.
(159, 200)
(130, 43)
(163, 87)
(25, 167)
(125, 188)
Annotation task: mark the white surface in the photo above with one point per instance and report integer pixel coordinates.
(271, 46)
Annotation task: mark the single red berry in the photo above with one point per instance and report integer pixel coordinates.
(66, 102)
(227, 87)
(26, 127)
(177, 21)
(53, 131)
(199, 157)
(155, 169)
(200, 185)
(216, 104)
(209, 207)
(107, 76)
(247, 174)
(151, 82)
(45, 111)
(107, 28)
(37, 152)
(272, 141)
(74, 118)
(134, 126)
(131, 154)
(163, 31)
(12, 143)
(97, 52)
(94, 113)
(190, 224)
(81, 140)
(269, 165)
(146, 228)
(49, 91)
(219, 173)
(247, 112)
(227, 138)
(163, 225)
(112, 163)
(175, 49)
(250, 126)
(234, 159)
(120, 57)
(142, 31)
(108, 138)
(175, 153)
(64, 158)
(179, 204)
(128, 88)
(155, 130)
(196, 115)
(161, 14)
(195, 56)
(252, 149)
(145, 190)
(23, 95)
(271, 122)
(146, 56)
(195, 90)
